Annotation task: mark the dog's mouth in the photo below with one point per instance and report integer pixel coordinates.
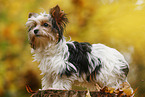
(38, 41)
(37, 35)
(43, 36)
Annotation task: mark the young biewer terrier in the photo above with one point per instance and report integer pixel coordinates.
(65, 64)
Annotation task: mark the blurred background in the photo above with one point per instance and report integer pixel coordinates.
(116, 23)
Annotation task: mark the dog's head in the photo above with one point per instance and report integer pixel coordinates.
(44, 29)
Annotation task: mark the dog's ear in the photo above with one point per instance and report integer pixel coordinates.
(59, 20)
(32, 14)
(58, 16)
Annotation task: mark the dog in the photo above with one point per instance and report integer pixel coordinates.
(66, 64)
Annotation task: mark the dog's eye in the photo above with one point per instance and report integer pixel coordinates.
(45, 25)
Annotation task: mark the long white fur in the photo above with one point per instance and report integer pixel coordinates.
(52, 62)
(54, 57)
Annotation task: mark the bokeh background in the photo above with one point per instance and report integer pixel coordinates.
(116, 23)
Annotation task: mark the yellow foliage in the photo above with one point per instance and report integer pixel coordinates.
(116, 23)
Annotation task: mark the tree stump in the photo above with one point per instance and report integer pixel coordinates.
(73, 93)
(103, 92)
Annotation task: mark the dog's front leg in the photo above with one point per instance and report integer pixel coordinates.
(62, 84)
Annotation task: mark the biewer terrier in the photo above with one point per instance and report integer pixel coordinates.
(65, 64)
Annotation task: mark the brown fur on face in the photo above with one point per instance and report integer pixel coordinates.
(45, 33)
(45, 28)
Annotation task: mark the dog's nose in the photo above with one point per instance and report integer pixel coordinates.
(36, 31)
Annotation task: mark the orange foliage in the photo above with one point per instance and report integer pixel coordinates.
(116, 23)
